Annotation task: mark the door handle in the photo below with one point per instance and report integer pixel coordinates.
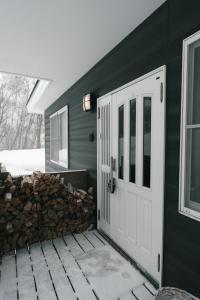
(111, 186)
(112, 183)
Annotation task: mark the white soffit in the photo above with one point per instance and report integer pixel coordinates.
(60, 40)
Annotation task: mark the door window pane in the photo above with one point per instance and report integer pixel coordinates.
(193, 169)
(121, 142)
(147, 142)
(193, 88)
(132, 149)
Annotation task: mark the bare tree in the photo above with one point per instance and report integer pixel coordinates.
(39, 128)
(18, 128)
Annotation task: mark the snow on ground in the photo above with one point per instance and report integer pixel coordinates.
(23, 162)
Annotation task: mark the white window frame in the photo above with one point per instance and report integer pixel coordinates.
(183, 209)
(64, 109)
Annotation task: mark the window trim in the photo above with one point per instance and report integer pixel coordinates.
(64, 109)
(183, 209)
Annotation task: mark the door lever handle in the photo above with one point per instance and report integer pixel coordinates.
(113, 164)
(111, 186)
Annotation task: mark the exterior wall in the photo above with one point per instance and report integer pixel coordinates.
(123, 64)
(182, 234)
(157, 41)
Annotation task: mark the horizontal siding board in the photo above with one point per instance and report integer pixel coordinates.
(157, 41)
(121, 65)
(184, 18)
(181, 246)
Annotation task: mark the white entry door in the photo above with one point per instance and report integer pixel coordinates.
(131, 169)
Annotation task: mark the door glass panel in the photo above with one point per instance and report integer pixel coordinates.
(121, 142)
(147, 142)
(132, 149)
(192, 181)
(193, 83)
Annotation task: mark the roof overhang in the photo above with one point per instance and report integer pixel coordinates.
(59, 41)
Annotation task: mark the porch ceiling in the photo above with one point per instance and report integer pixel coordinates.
(61, 40)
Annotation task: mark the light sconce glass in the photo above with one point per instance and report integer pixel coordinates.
(87, 103)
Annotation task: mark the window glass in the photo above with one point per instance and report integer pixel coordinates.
(132, 161)
(54, 138)
(147, 142)
(54, 151)
(193, 88)
(190, 129)
(121, 142)
(192, 179)
(63, 137)
(59, 137)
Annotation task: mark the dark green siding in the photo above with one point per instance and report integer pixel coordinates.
(157, 41)
(82, 152)
(123, 64)
(182, 234)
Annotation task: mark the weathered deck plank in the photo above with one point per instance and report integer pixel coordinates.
(61, 281)
(75, 267)
(150, 287)
(100, 237)
(43, 280)
(93, 239)
(143, 294)
(109, 272)
(73, 245)
(8, 286)
(83, 242)
(83, 290)
(128, 296)
(26, 285)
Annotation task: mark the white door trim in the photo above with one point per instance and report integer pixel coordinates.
(163, 70)
(160, 69)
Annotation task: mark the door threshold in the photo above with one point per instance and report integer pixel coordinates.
(130, 259)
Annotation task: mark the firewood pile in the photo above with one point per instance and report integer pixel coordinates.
(39, 207)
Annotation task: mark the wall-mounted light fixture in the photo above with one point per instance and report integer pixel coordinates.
(87, 102)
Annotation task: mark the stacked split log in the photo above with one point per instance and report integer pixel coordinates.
(39, 207)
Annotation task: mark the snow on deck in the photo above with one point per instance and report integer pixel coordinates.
(74, 267)
(23, 162)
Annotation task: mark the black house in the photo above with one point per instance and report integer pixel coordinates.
(133, 122)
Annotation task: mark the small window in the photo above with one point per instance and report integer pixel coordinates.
(59, 137)
(189, 195)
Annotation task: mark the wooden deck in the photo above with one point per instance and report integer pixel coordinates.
(81, 266)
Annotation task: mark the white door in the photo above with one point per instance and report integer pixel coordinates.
(104, 157)
(136, 131)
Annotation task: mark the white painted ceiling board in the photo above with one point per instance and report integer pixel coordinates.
(61, 40)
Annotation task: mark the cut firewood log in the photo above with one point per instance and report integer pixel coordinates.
(39, 207)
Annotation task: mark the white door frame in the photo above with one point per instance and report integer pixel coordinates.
(160, 69)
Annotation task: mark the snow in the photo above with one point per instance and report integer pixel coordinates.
(110, 273)
(23, 162)
(98, 269)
